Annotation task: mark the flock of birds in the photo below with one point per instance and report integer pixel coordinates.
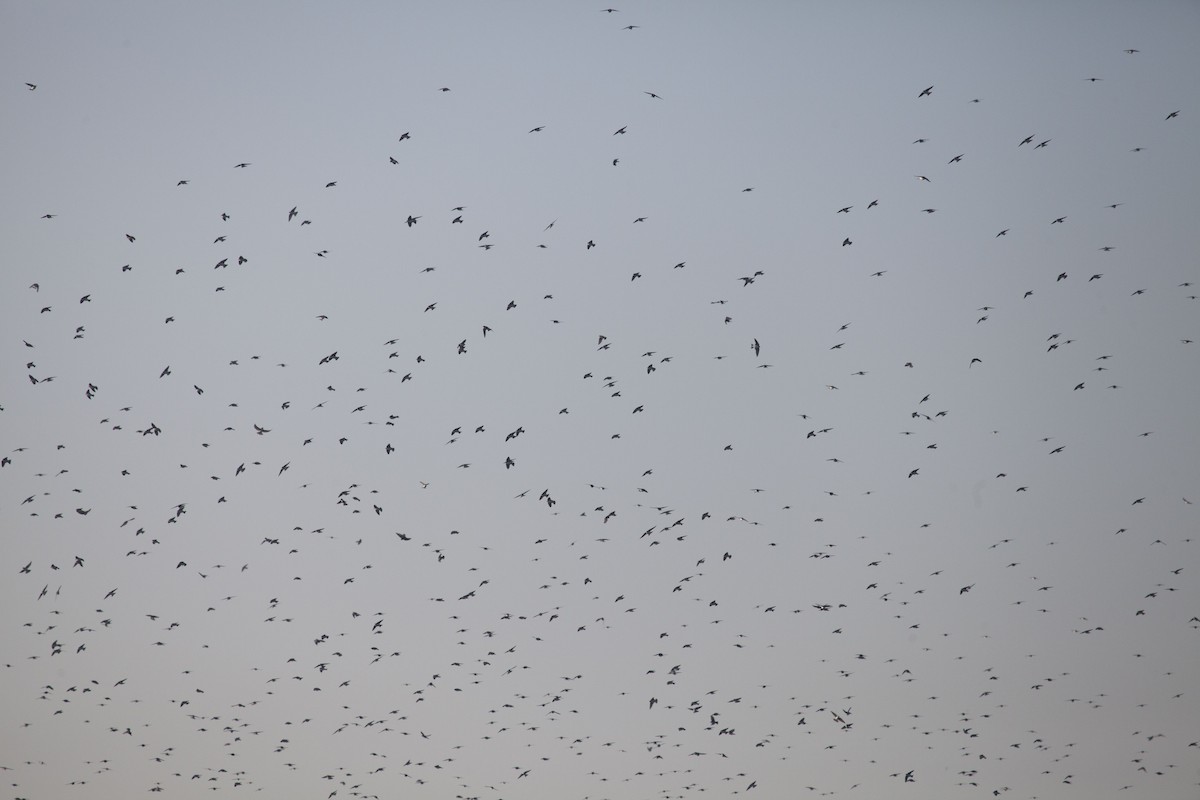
(496, 555)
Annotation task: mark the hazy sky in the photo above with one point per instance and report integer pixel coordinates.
(670, 402)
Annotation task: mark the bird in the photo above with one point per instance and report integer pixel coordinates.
(926, 92)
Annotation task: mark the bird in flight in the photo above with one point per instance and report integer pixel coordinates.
(926, 92)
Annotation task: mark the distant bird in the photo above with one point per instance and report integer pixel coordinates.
(32, 86)
(926, 92)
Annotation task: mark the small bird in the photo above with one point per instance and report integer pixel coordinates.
(926, 92)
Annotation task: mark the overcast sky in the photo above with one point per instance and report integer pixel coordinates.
(530, 400)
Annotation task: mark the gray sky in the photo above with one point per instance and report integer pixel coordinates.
(267, 530)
